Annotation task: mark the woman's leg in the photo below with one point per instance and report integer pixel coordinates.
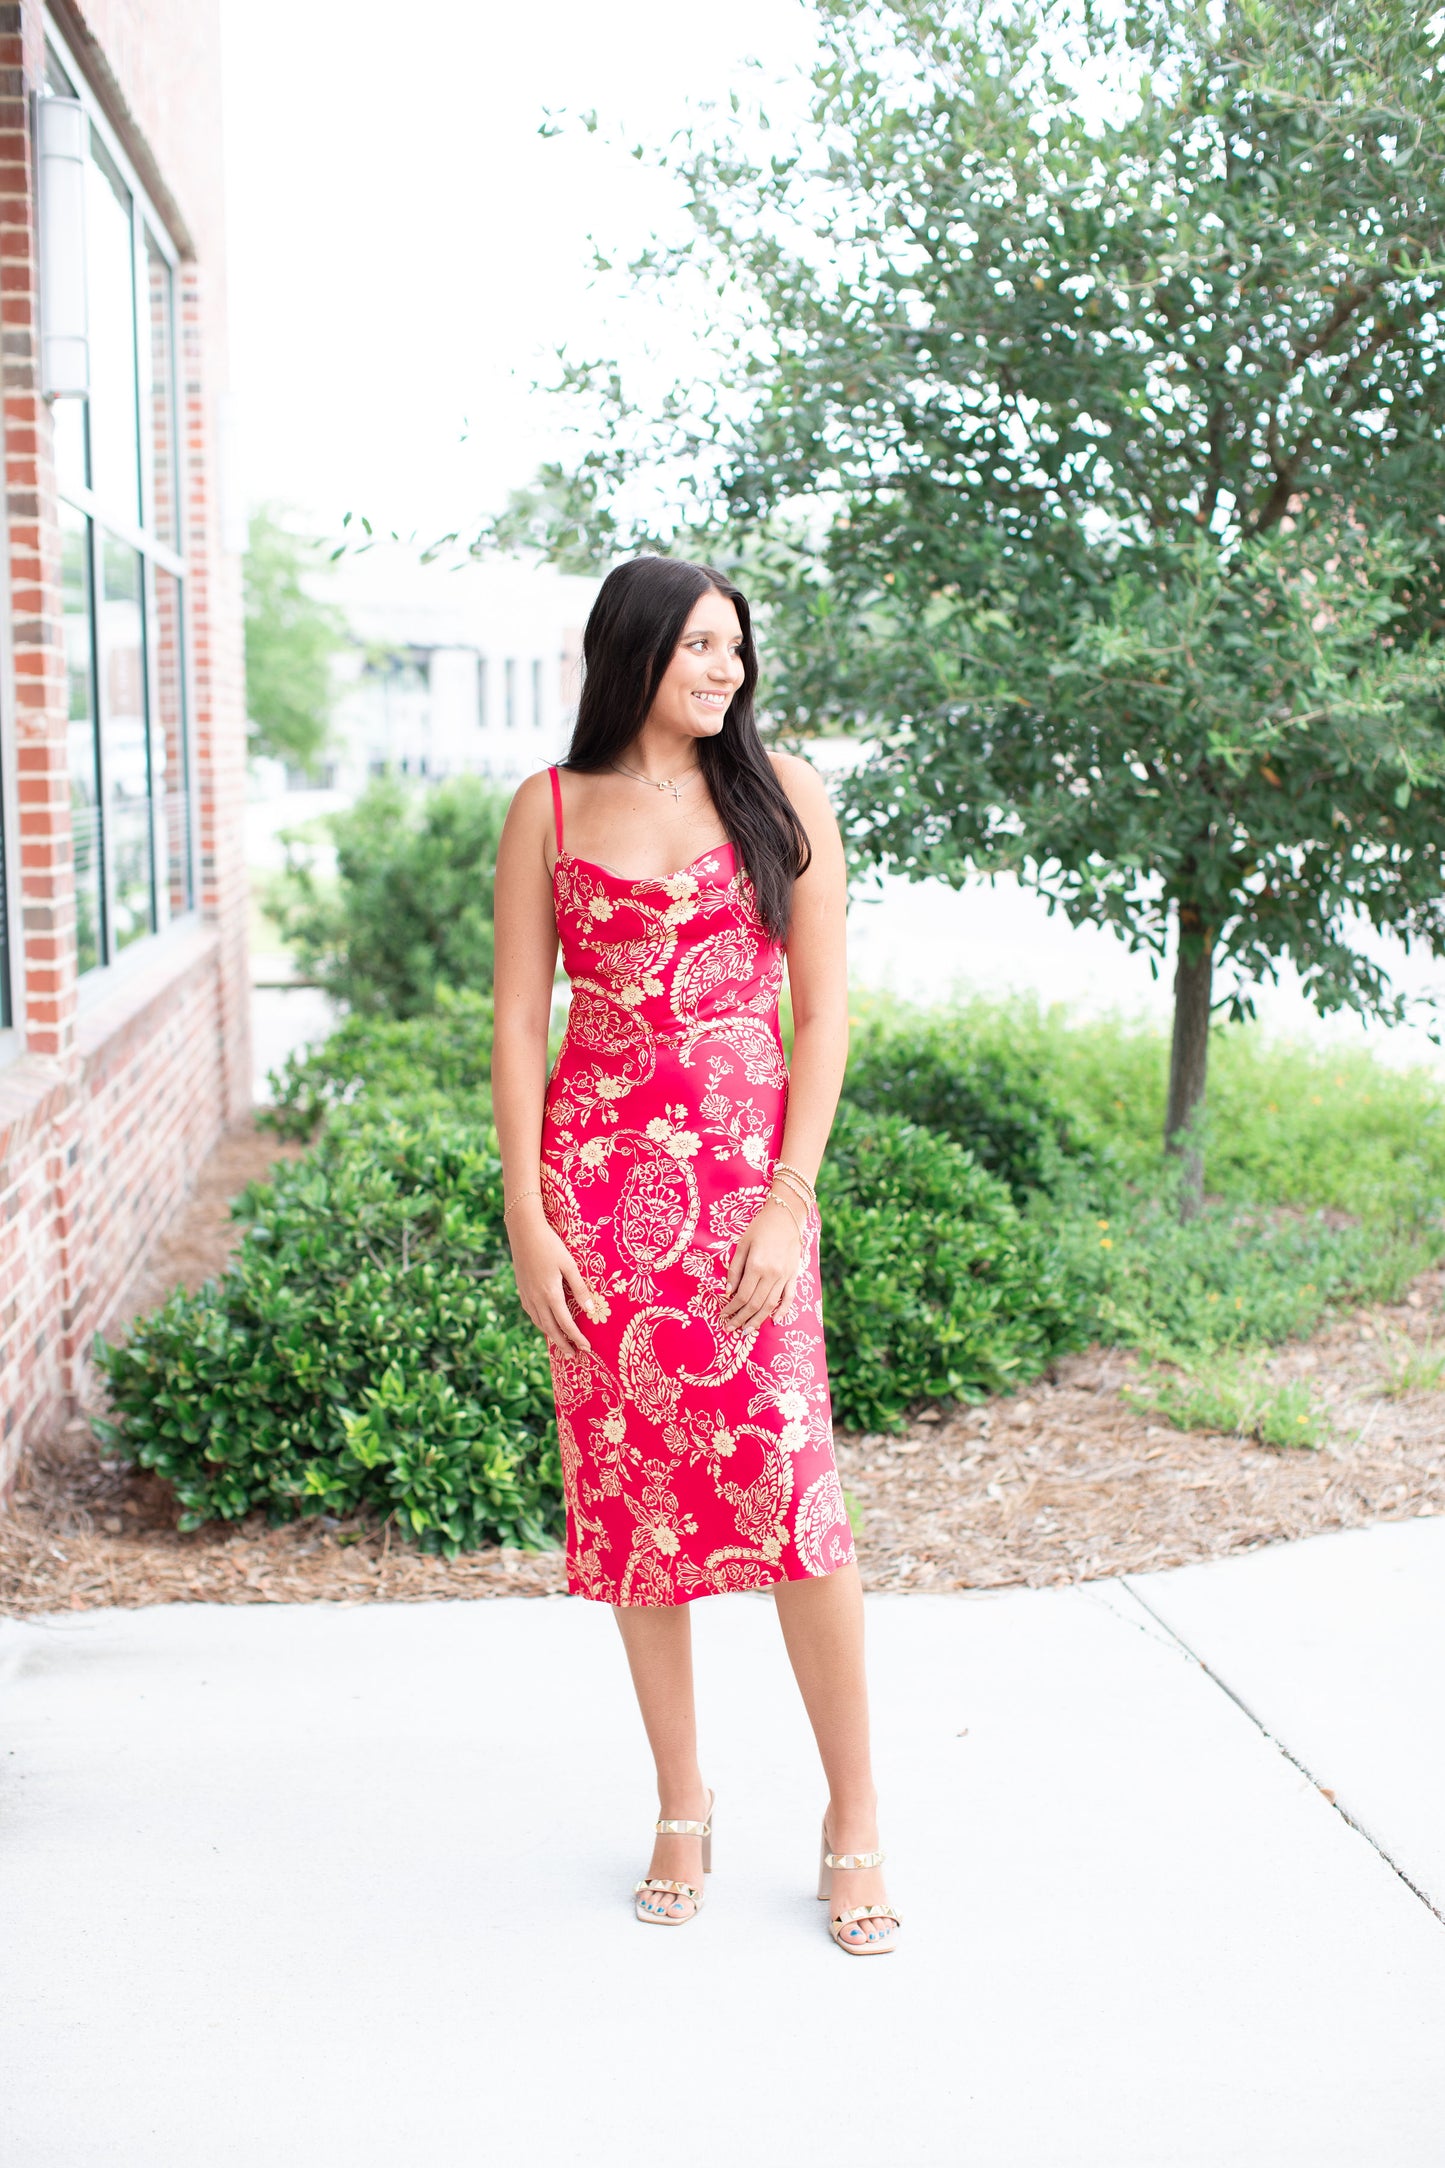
(658, 1641)
(822, 1622)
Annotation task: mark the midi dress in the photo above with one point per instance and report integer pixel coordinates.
(695, 1460)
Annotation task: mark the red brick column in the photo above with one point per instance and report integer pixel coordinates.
(46, 994)
(44, 1198)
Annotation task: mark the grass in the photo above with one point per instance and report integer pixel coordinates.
(1234, 1278)
(1237, 1398)
(1415, 1370)
(1285, 1123)
(1325, 1176)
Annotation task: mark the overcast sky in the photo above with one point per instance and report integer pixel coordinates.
(405, 250)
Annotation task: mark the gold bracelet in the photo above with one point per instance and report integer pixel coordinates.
(792, 1215)
(800, 1181)
(798, 1189)
(521, 1193)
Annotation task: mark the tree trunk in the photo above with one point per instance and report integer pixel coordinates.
(1189, 1054)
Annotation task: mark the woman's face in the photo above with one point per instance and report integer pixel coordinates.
(706, 670)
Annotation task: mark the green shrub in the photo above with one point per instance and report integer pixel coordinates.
(365, 1351)
(948, 1071)
(411, 910)
(933, 1282)
(444, 1057)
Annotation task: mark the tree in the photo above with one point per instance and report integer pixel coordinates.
(292, 641)
(1088, 450)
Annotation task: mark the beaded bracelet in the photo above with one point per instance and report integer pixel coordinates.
(795, 1181)
(521, 1193)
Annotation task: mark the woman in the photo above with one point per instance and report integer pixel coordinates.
(659, 1188)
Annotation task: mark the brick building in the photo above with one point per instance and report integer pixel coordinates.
(123, 985)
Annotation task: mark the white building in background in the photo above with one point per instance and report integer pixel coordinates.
(454, 672)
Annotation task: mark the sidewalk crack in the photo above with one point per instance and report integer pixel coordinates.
(1280, 1747)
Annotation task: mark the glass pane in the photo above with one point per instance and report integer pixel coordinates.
(126, 752)
(110, 278)
(68, 420)
(83, 749)
(158, 392)
(170, 780)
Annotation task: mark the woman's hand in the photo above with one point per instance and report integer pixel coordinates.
(545, 1269)
(763, 1275)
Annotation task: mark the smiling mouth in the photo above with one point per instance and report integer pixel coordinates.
(713, 700)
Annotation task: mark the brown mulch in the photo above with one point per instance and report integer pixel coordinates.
(1070, 1482)
(1066, 1482)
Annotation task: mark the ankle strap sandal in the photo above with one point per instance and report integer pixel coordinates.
(654, 1914)
(876, 1943)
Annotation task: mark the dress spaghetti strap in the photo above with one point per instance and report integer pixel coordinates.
(557, 807)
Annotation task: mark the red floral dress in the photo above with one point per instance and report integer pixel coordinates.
(694, 1459)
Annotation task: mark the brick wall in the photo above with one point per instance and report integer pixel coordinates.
(107, 1114)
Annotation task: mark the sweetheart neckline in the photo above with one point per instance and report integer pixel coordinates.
(646, 880)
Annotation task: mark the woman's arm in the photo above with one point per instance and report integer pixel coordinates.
(817, 974)
(769, 1252)
(526, 962)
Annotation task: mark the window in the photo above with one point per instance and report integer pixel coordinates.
(400, 672)
(122, 578)
(537, 695)
(510, 680)
(481, 692)
(391, 709)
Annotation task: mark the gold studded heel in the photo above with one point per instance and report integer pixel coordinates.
(876, 1943)
(660, 1913)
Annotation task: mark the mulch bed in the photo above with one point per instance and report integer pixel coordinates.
(1065, 1482)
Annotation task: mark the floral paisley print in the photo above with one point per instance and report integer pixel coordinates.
(694, 1459)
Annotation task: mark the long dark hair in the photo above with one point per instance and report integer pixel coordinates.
(639, 616)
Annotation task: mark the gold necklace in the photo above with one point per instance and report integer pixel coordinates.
(668, 782)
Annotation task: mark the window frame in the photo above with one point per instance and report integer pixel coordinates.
(155, 554)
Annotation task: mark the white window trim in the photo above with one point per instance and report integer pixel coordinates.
(96, 114)
(136, 538)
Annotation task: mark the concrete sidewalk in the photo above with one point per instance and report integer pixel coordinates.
(310, 1886)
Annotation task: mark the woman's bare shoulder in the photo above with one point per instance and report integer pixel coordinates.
(531, 807)
(533, 794)
(529, 823)
(806, 790)
(799, 778)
